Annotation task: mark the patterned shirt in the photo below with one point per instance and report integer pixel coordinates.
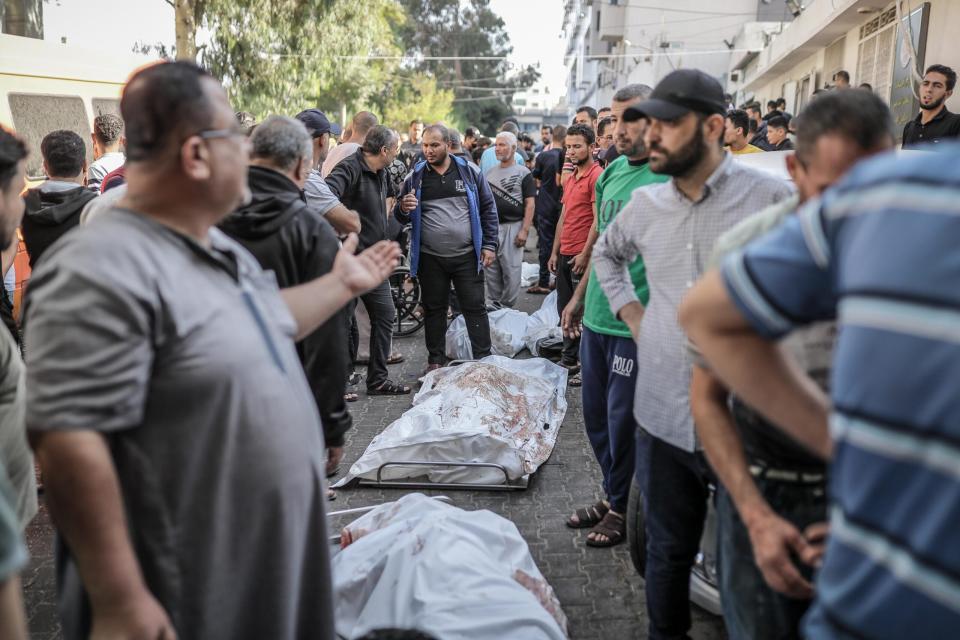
(675, 236)
(879, 253)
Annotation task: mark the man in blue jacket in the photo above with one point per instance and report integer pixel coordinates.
(454, 236)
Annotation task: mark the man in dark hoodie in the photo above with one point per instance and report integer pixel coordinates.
(54, 207)
(292, 239)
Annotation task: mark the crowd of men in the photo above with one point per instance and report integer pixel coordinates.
(192, 323)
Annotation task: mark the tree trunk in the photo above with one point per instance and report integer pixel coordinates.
(186, 29)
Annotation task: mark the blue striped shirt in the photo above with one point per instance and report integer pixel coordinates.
(881, 254)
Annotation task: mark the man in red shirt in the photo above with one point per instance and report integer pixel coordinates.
(570, 256)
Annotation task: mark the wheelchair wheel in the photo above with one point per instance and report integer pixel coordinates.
(406, 299)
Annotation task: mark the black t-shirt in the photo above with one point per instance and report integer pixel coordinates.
(945, 125)
(545, 170)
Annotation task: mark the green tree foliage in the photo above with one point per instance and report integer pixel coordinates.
(409, 95)
(482, 88)
(281, 56)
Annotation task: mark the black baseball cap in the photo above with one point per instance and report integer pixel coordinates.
(317, 123)
(679, 93)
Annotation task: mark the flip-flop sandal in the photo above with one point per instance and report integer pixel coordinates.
(538, 290)
(389, 388)
(395, 358)
(588, 517)
(612, 526)
(331, 495)
(574, 381)
(350, 396)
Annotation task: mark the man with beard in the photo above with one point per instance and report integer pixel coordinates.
(513, 191)
(546, 137)
(935, 122)
(570, 253)
(608, 354)
(772, 493)
(673, 226)
(453, 237)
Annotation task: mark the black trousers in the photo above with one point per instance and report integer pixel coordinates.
(546, 232)
(436, 274)
(567, 282)
(379, 305)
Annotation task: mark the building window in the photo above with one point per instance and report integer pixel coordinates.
(22, 18)
(876, 53)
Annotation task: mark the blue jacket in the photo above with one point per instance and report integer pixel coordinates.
(484, 223)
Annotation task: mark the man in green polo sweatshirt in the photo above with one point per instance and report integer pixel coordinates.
(608, 352)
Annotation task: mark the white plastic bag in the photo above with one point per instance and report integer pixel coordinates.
(544, 323)
(529, 274)
(507, 330)
(421, 564)
(495, 410)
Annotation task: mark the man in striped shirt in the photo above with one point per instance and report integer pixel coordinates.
(878, 252)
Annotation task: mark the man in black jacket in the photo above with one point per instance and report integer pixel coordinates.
(360, 182)
(292, 239)
(54, 207)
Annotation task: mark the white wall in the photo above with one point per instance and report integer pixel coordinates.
(108, 25)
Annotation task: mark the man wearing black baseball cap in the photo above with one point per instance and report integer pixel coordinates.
(318, 194)
(674, 225)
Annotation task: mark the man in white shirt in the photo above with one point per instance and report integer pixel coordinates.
(107, 139)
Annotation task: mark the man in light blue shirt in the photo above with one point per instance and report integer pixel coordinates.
(489, 158)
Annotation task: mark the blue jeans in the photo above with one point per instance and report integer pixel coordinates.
(609, 380)
(675, 485)
(751, 609)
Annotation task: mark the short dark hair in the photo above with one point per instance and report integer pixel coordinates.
(582, 130)
(842, 74)
(416, 121)
(946, 71)
(378, 138)
(754, 106)
(63, 152)
(12, 151)
(782, 101)
(162, 102)
(545, 126)
(777, 122)
(440, 129)
(860, 116)
(470, 132)
(867, 86)
(559, 132)
(740, 120)
(771, 103)
(590, 111)
(107, 128)
(603, 124)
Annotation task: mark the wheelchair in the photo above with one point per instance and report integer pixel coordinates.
(405, 290)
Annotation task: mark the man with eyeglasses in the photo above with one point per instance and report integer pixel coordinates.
(182, 452)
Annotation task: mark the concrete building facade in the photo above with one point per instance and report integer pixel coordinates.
(875, 41)
(612, 43)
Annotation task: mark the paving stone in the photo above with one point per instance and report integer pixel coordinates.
(598, 588)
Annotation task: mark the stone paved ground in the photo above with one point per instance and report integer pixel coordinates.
(598, 588)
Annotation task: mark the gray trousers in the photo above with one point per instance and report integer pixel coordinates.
(503, 275)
